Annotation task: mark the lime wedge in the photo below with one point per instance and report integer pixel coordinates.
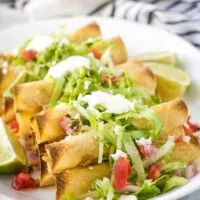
(164, 57)
(12, 154)
(171, 82)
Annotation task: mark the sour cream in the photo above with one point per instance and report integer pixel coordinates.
(115, 104)
(68, 65)
(39, 43)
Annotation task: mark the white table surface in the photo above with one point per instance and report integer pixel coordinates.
(10, 17)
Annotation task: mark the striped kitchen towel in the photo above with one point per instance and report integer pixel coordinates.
(181, 17)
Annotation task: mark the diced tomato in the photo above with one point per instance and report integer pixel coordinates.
(14, 126)
(96, 53)
(121, 172)
(24, 181)
(29, 55)
(190, 127)
(65, 125)
(147, 150)
(154, 172)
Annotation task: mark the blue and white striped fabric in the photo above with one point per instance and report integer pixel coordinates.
(181, 17)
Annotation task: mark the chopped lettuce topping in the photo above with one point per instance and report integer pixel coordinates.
(174, 182)
(55, 52)
(134, 155)
(162, 151)
(173, 166)
(122, 120)
(148, 190)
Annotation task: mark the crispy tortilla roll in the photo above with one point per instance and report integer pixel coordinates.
(185, 152)
(144, 77)
(8, 76)
(24, 120)
(117, 50)
(32, 150)
(32, 96)
(73, 151)
(89, 31)
(78, 181)
(173, 114)
(5, 57)
(164, 136)
(46, 178)
(46, 124)
(9, 113)
(83, 149)
(2, 105)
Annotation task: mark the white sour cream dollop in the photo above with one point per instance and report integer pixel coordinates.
(115, 104)
(39, 43)
(68, 65)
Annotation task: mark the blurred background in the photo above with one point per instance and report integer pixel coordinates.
(181, 17)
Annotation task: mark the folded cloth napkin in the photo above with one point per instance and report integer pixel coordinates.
(181, 17)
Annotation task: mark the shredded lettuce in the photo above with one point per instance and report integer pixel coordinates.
(136, 160)
(80, 109)
(53, 54)
(56, 92)
(174, 181)
(162, 151)
(160, 182)
(105, 189)
(172, 166)
(144, 122)
(155, 122)
(101, 150)
(148, 190)
(118, 130)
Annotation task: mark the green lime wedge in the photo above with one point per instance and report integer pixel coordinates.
(163, 57)
(171, 82)
(12, 154)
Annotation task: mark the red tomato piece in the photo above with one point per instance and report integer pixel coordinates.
(190, 127)
(29, 55)
(14, 126)
(121, 172)
(24, 181)
(154, 172)
(96, 53)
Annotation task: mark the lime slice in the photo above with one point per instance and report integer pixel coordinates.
(12, 154)
(171, 82)
(164, 57)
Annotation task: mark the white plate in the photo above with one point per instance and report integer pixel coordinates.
(138, 38)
